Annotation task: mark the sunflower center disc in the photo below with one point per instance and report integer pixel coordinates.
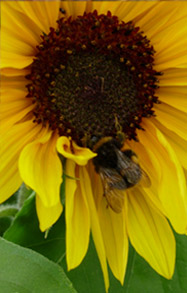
(93, 76)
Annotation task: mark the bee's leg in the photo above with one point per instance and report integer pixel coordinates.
(104, 194)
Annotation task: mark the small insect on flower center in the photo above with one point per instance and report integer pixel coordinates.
(93, 76)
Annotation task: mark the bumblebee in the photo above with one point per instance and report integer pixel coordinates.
(119, 170)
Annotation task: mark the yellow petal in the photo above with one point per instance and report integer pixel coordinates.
(113, 228)
(178, 144)
(150, 234)
(13, 95)
(103, 6)
(77, 217)
(172, 119)
(79, 155)
(14, 72)
(10, 59)
(14, 40)
(150, 165)
(96, 184)
(174, 96)
(12, 142)
(170, 45)
(41, 168)
(49, 11)
(126, 11)
(29, 20)
(178, 60)
(13, 108)
(173, 77)
(17, 46)
(47, 215)
(12, 82)
(19, 27)
(160, 15)
(73, 8)
(42, 14)
(134, 11)
(171, 186)
(95, 225)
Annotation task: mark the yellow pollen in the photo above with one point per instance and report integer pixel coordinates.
(97, 23)
(93, 42)
(53, 83)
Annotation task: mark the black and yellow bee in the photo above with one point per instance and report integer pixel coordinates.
(119, 170)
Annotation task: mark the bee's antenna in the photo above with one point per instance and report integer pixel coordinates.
(120, 135)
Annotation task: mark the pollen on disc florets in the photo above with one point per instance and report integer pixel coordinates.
(92, 76)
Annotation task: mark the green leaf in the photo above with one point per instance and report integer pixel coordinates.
(8, 210)
(23, 193)
(5, 222)
(25, 232)
(23, 270)
(88, 278)
(140, 277)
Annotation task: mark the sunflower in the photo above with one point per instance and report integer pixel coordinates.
(76, 78)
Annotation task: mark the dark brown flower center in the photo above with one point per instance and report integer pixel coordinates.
(93, 76)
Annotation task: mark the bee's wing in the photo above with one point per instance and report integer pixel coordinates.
(114, 196)
(132, 171)
(145, 180)
(115, 199)
(129, 170)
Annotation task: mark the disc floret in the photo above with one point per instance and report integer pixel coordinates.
(91, 72)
